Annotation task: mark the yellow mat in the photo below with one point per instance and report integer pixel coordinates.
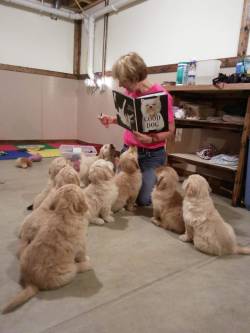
(46, 152)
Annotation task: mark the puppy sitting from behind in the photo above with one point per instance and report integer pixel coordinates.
(107, 153)
(128, 180)
(204, 225)
(56, 165)
(167, 201)
(58, 251)
(41, 215)
(102, 192)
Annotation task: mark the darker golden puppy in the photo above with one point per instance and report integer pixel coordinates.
(58, 251)
(167, 201)
(128, 180)
(102, 192)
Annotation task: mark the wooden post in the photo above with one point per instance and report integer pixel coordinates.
(77, 47)
(244, 29)
(237, 190)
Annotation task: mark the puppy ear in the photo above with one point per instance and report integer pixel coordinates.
(116, 162)
(189, 188)
(101, 153)
(160, 184)
(58, 200)
(129, 165)
(108, 173)
(159, 170)
(80, 205)
(54, 202)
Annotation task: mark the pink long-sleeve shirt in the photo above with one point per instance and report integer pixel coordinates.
(128, 136)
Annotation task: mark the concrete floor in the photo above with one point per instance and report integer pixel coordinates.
(144, 278)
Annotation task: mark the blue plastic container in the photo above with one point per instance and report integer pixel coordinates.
(247, 190)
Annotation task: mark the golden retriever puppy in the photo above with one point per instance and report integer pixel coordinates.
(107, 153)
(204, 225)
(41, 215)
(128, 180)
(56, 165)
(102, 192)
(58, 251)
(167, 201)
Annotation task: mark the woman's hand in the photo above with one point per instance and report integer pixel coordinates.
(106, 120)
(143, 138)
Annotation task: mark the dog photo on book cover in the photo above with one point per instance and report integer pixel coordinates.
(152, 119)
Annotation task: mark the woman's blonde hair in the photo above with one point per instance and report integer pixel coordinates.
(130, 67)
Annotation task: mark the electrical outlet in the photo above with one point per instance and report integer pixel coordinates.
(178, 135)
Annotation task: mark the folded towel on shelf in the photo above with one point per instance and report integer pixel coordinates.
(214, 119)
(224, 159)
(233, 119)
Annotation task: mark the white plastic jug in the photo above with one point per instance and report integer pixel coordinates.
(207, 70)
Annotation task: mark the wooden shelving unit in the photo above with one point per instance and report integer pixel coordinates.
(182, 123)
(196, 160)
(225, 87)
(227, 91)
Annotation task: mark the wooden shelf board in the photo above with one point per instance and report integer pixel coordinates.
(185, 123)
(209, 88)
(196, 160)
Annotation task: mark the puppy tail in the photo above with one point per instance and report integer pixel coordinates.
(22, 297)
(242, 250)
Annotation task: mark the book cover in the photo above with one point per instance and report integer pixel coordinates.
(145, 114)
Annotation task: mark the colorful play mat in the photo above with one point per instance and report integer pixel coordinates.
(13, 151)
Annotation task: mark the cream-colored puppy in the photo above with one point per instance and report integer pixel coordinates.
(107, 153)
(128, 180)
(167, 201)
(42, 214)
(204, 225)
(102, 192)
(56, 165)
(58, 251)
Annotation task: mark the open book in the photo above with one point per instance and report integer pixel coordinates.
(148, 113)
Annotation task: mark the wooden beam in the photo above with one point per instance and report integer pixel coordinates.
(93, 4)
(89, 2)
(225, 62)
(37, 71)
(77, 47)
(244, 29)
(242, 158)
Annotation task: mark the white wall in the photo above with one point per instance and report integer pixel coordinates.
(159, 30)
(168, 31)
(37, 107)
(31, 40)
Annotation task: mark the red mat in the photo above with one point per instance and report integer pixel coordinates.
(7, 147)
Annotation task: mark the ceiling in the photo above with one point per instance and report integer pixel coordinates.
(74, 5)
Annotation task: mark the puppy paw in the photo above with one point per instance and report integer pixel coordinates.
(131, 208)
(184, 238)
(97, 221)
(83, 266)
(109, 219)
(155, 221)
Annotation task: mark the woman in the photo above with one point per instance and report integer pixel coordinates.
(131, 72)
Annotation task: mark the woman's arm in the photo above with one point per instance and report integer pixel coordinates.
(162, 136)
